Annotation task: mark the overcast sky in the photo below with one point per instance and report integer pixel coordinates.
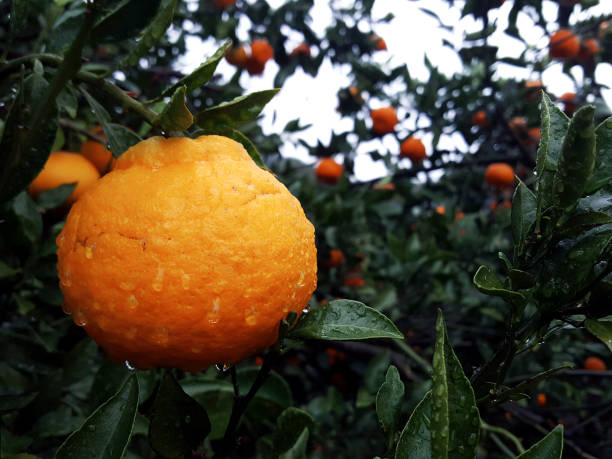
(408, 37)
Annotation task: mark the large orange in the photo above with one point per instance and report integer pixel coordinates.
(499, 175)
(383, 120)
(64, 167)
(564, 44)
(414, 149)
(185, 255)
(329, 171)
(98, 154)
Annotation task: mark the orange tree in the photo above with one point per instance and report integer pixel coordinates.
(520, 271)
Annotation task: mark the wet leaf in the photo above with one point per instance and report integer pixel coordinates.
(415, 439)
(28, 216)
(602, 329)
(175, 116)
(344, 320)
(106, 433)
(116, 21)
(389, 401)
(602, 171)
(289, 427)
(487, 282)
(55, 197)
(298, 450)
(524, 207)
(550, 447)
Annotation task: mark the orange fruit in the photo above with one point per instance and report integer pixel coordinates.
(594, 364)
(441, 210)
(254, 67)
(383, 120)
(604, 29)
(564, 44)
(301, 50)
(533, 136)
(480, 119)
(506, 204)
(588, 49)
(518, 125)
(499, 175)
(98, 154)
(413, 149)
(261, 51)
(384, 186)
(380, 44)
(459, 215)
(354, 282)
(329, 171)
(569, 101)
(236, 56)
(353, 91)
(336, 257)
(64, 167)
(223, 3)
(542, 400)
(168, 261)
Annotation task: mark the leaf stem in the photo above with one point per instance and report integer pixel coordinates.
(413, 355)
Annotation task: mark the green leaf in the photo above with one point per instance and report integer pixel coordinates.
(235, 112)
(151, 35)
(175, 116)
(602, 171)
(297, 451)
(344, 320)
(550, 447)
(389, 401)
(487, 282)
(415, 439)
(55, 197)
(6, 271)
(200, 76)
(577, 158)
(602, 329)
(178, 423)
(455, 422)
(289, 427)
(249, 147)
(119, 137)
(524, 207)
(68, 102)
(28, 217)
(24, 152)
(119, 20)
(106, 433)
(375, 372)
(554, 125)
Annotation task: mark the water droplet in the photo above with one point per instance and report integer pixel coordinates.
(127, 286)
(306, 310)
(66, 281)
(132, 302)
(462, 400)
(187, 419)
(61, 239)
(79, 318)
(472, 439)
(444, 432)
(251, 320)
(89, 251)
(91, 427)
(66, 308)
(159, 280)
(300, 282)
(223, 367)
(129, 366)
(475, 422)
(185, 281)
(440, 390)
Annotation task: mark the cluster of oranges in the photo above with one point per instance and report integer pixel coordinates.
(83, 168)
(253, 57)
(565, 45)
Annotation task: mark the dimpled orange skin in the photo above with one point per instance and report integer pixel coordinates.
(187, 254)
(64, 167)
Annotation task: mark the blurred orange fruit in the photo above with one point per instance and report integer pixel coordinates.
(480, 119)
(383, 120)
(564, 44)
(354, 282)
(163, 257)
(336, 257)
(384, 186)
(236, 56)
(499, 175)
(223, 3)
(569, 101)
(588, 49)
(413, 149)
(98, 154)
(63, 167)
(329, 171)
(301, 50)
(594, 364)
(381, 45)
(441, 210)
(542, 400)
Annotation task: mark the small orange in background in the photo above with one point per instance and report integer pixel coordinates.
(353, 91)
(588, 49)
(564, 44)
(459, 216)
(64, 167)
(499, 175)
(258, 360)
(383, 120)
(413, 149)
(441, 210)
(534, 135)
(254, 67)
(569, 101)
(384, 186)
(223, 3)
(541, 400)
(98, 154)
(261, 50)
(480, 119)
(301, 50)
(507, 204)
(354, 282)
(518, 125)
(604, 29)
(236, 56)
(381, 45)
(336, 257)
(594, 364)
(329, 171)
